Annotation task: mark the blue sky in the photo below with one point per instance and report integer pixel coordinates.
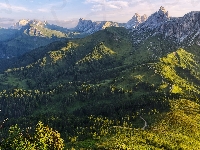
(67, 12)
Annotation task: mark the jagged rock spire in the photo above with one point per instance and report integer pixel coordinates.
(181, 28)
(163, 12)
(135, 21)
(156, 19)
(144, 18)
(89, 27)
(162, 9)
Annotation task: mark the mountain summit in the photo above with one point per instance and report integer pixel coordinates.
(23, 22)
(162, 9)
(156, 19)
(135, 21)
(178, 28)
(84, 25)
(89, 27)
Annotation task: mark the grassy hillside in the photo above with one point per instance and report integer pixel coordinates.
(99, 91)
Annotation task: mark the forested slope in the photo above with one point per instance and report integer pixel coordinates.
(103, 90)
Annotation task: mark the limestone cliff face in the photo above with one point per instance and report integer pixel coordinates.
(177, 27)
(181, 28)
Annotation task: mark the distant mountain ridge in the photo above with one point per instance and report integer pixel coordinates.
(179, 29)
(37, 23)
(90, 27)
(159, 21)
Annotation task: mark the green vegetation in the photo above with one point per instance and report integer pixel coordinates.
(176, 68)
(36, 30)
(43, 138)
(98, 53)
(178, 129)
(102, 92)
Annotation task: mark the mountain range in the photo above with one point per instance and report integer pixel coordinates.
(105, 85)
(43, 33)
(182, 28)
(26, 35)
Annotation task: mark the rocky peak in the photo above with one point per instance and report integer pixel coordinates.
(163, 13)
(18, 25)
(177, 28)
(24, 22)
(162, 9)
(37, 22)
(84, 25)
(144, 18)
(137, 17)
(89, 27)
(135, 21)
(186, 26)
(156, 19)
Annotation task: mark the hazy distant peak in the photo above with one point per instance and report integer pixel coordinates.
(89, 27)
(23, 22)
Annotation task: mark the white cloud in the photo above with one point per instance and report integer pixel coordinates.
(101, 5)
(8, 7)
(18, 8)
(43, 10)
